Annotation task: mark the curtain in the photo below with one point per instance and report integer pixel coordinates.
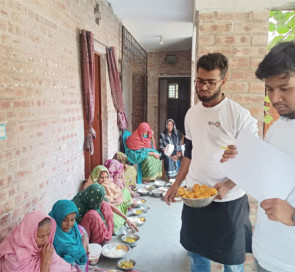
(88, 85)
(116, 89)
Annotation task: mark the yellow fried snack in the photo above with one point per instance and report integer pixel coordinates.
(212, 191)
(197, 191)
(181, 191)
(196, 187)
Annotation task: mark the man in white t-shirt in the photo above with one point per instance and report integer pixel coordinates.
(220, 232)
(274, 233)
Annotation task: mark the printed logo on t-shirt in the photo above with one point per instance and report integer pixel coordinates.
(211, 123)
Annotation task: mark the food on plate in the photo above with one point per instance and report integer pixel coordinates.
(138, 211)
(130, 240)
(126, 264)
(198, 191)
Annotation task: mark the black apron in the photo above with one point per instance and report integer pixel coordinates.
(221, 232)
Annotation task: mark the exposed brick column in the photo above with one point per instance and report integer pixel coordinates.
(242, 37)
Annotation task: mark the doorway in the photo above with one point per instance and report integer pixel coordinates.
(174, 100)
(96, 158)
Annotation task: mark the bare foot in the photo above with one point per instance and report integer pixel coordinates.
(145, 182)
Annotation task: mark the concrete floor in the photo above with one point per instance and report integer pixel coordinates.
(158, 249)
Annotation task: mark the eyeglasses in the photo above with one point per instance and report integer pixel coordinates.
(210, 85)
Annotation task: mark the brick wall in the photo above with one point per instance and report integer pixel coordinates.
(42, 160)
(157, 67)
(242, 37)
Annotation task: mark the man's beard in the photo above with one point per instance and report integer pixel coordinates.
(209, 98)
(290, 115)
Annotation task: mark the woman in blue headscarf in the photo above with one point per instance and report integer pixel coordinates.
(68, 241)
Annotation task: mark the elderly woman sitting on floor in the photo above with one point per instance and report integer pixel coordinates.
(29, 247)
(130, 172)
(118, 199)
(117, 175)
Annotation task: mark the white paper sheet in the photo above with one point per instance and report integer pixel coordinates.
(262, 170)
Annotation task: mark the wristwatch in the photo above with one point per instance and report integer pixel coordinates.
(293, 218)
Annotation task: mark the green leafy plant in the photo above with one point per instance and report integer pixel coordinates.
(267, 116)
(282, 28)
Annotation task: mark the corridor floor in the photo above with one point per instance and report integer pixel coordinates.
(158, 249)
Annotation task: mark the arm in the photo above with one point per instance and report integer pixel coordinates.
(278, 210)
(169, 197)
(155, 154)
(84, 238)
(118, 212)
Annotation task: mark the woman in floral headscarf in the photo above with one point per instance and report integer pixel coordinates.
(119, 198)
(113, 196)
(117, 175)
(95, 214)
(29, 246)
(140, 149)
(130, 172)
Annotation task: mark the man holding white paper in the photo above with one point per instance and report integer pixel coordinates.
(273, 240)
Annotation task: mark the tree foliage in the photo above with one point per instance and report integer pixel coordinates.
(281, 26)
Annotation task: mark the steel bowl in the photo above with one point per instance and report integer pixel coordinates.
(198, 202)
(128, 261)
(139, 202)
(137, 220)
(130, 239)
(125, 230)
(143, 191)
(159, 183)
(115, 250)
(138, 211)
(157, 192)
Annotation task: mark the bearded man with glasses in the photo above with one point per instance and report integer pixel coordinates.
(222, 231)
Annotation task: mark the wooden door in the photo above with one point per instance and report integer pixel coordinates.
(96, 158)
(174, 100)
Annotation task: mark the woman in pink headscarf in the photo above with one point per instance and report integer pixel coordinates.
(116, 171)
(28, 248)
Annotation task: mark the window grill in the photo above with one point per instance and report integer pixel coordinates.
(134, 57)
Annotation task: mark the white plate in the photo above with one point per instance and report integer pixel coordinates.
(159, 183)
(137, 219)
(142, 191)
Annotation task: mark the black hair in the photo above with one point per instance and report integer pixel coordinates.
(213, 61)
(280, 60)
(45, 221)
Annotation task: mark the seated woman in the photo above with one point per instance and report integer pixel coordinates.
(140, 149)
(117, 175)
(120, 199)
(85, 206)
(29, 247)
(130, 172)
(95, 214)
(171, 135)
(70, 241)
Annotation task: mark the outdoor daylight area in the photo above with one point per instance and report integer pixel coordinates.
(147, 136)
